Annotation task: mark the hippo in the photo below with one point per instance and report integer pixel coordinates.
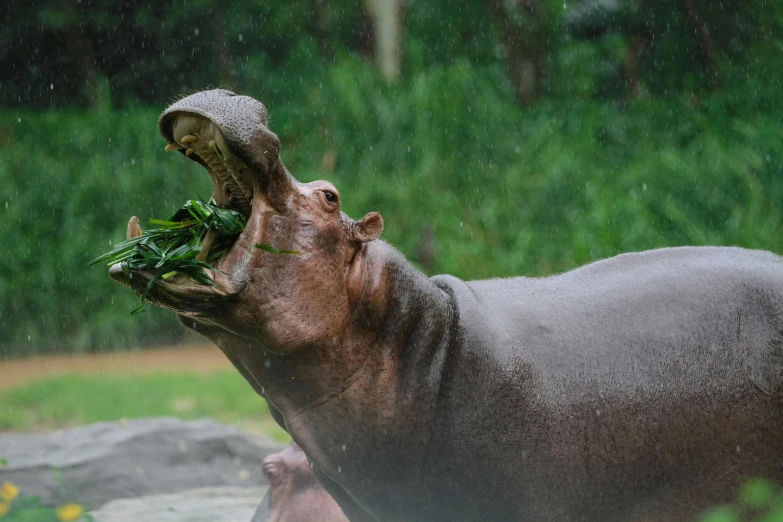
(647, 386)
(294, 494)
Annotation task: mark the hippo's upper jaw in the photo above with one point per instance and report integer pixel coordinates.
(228, 135)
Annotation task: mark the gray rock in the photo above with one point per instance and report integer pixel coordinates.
(212, 504)
(109, 460)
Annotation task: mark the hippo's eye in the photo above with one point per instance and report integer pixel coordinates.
(330, 196)
(271, 472)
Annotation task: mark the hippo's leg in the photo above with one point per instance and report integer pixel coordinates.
(264, 509)
(349, 506)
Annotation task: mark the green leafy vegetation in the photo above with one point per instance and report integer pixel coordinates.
(653, 125)
(505, 191)
(73, 400)
(174, 246)
(759, 500)
(274, 250)
(16, 507)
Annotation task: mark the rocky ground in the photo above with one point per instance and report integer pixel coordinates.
(148, 469)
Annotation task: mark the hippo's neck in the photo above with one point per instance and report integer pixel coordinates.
(395, 355)
(399, 327)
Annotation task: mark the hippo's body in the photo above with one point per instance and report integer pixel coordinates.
(643, 387)
(640, 388)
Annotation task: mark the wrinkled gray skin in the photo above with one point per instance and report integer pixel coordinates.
(639, 388)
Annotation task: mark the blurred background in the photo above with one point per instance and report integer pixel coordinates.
(496, 137)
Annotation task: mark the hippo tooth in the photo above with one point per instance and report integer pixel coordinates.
(190, 138)
(189, 152)
(212, 144)
(173, 146)
(206, 245)
(134, 230)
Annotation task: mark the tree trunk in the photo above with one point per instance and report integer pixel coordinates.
(81, 49)
(632, 58)
(387, 29)
(520, 28)
(322, 24)
(227, 78)
(708, 55)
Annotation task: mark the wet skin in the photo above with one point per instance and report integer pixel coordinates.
(294, 494)
(642, 387)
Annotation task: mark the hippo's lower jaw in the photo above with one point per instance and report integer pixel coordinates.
(178, 295)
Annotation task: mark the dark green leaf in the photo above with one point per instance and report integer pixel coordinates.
(173, 245)
(273, 250)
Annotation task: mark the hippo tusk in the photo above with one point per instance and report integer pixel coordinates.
(207, 245)
(134, 230)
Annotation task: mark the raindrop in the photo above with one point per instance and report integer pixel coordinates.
(51, 86)
(28, 337)
(339, 469)
(240, 37)
(343, 447)
(267, 363)
(19, 120)
(195, 31)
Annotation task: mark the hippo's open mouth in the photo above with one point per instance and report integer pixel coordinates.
(227, 134)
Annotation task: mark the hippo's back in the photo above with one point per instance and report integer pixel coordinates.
(688, 318)
(648, 384)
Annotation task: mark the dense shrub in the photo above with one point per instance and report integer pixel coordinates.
(506, 192)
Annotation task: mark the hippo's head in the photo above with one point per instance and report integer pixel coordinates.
(294, 493)
(258, 289)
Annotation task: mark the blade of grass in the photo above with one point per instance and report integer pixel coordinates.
(273, 250)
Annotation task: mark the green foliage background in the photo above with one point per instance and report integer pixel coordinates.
(583, 174)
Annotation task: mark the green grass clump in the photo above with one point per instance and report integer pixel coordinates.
(72, 400)
(173, 246)
(759, 500)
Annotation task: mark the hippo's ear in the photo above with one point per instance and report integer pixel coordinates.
(367, 229)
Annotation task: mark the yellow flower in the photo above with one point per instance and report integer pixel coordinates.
(8, 491)
(5, 507)
(69, 512)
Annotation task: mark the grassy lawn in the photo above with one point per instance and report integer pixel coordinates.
(72, 400)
